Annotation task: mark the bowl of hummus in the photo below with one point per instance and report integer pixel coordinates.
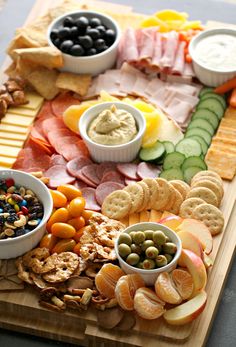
(112, 131)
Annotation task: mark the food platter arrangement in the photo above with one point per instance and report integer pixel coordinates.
(117, 156)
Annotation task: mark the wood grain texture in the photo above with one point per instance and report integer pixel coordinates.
(20, 310)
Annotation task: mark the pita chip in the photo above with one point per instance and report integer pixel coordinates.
(76, 83)
(20, 41)
(49, 57)
(43, 81)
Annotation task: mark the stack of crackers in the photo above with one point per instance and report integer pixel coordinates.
(221, 156)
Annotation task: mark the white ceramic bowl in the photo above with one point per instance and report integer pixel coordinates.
(150, 276)
(119, 153)
(15, 247)
(210, 76)
(94, 64)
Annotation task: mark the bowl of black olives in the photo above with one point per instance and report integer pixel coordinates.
(88, 41)
(148, 249)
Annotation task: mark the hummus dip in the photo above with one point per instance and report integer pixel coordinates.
(113, 127)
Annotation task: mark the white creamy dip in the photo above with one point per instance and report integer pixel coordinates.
(217, 52)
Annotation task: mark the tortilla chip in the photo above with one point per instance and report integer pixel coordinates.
(49, 57)
(76, 83)
(44, 82)
(20, 41)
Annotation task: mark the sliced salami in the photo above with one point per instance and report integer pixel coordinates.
(62, 102)
(129, 170)
(105, 167)
(113, 176)
(58, 175)
(105, 189)
(74, 150)
(91, 202)
(45, 111)
(83, 178)
(57, 159)
(80, 184)
(129, 181)
(146, 170)
(74, 165)
(90, 172)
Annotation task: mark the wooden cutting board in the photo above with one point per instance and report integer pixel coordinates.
(20, 310)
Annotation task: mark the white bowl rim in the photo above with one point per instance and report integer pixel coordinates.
(205, 33)
(92, 57)
(142, 124)
(46, 213)
(157, 270)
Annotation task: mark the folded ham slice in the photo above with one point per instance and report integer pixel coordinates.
(171, 40)
(146, 44)
(180, 111)
(179, 62)
(130, 48)
(157, 53)
(128, 78)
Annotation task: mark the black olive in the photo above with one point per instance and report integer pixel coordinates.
(63, 32)
(77, 50)
(54, 34)
(110, 36)
(57, 42)
(74, 32)
(85, 41)
(99, 44)
(94, 22)
(82, 22)
(101, 29)
(66, 46)
(102, 49)
(68, 22)
(91, 51)
(93, 33)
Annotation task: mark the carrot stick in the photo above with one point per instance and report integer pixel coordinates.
(232, 100)
(225, 87)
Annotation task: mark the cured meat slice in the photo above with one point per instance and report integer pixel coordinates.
(105, 167)
(154, 85)
(158, 48)
(170, 47)
(146, 170)
(80, 184)
(129, 181)
(128, 78)
(62, 141)
(147, 41)
(57, 159)
(91, 202)
(128, 169)
(140, 85)
(55, 135)
(180, 111)
(105, 189)
(74, 165)
(113, 176)
(130, 48)
(179, 62)
(45, 111)
(84, 179)
(89, 171)
(74, 150)
(58, 175)
(62, 102)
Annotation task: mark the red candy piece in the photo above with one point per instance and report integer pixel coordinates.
(9, 182)
(24, 210)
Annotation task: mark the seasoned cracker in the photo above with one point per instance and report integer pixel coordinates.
(187, 207)
(36, 253)
(210, 185)
(117, 204)
(164, 193)
(146, 196)
(181, 186)
(153, 190)
(206, 173)
(211, 216)
(178, 201)
(136, 194)
(203, 193)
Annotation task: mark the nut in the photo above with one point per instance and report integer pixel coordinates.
(21, 222)
(9, 232)
(22, 191)
(87, 296)
(29, 192)
(10, 226)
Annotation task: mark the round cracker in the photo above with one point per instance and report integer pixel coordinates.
(187, 207)
(171, 200)
(211, 179)
(164, 194)
(137, 195)
(153, 191)
(146, 196)
(203, 193)
(207, 173)
(211, 216)
(117, 204)
(178, 201)
(210, 185)
(181, 186)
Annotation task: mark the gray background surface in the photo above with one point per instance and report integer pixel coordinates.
(13, 15)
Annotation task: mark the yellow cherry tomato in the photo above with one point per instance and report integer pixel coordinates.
(77, 223)
(48, 241)
(65, 245)
(78, 234)
(87, 214)
(59, 199)
(70, 191)
(76, 249)
(63, 230)
(76, 206)
(60, 215)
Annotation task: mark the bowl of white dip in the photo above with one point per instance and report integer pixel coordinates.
(214, 55)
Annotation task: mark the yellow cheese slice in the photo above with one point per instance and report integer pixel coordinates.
(144, 216)
(8, 151)
(125, 221)
(13, 143)
(11, 136)
(133, 218)
(6, 162)
(15, 119)
(155, 216)
(22, 111)
(35, 100)
(13, 129)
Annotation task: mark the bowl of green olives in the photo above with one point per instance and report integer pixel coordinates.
(148, 249)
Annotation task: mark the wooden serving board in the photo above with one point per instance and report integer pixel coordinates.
(20, 310)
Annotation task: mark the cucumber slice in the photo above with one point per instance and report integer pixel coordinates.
(189, 147)
(172, 160)
(214, 96)
(199, 132)
(212, 105)
(208, 115)
(172, 174)
(157, 151)
(205, 90)
(190, 172)
(169, 146)
(193, 161)
(203, 124)
(202, 142)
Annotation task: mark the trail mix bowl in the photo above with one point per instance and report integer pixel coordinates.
(25, 206)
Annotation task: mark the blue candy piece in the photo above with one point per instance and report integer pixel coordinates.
(39, 220)
(1, 210)
(23, 203)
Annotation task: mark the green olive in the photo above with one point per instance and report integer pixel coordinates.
(125, 238)
(161, 261)
(149, 264)
(131, 234)
(168, 239)
(152, 252)
(132, 259)
(170, 248)
(136, 248)
(168, 257)
(140, 265)
(124, 250)
(159, 237)
(146, 244)
(138, 237)
(148, 234)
